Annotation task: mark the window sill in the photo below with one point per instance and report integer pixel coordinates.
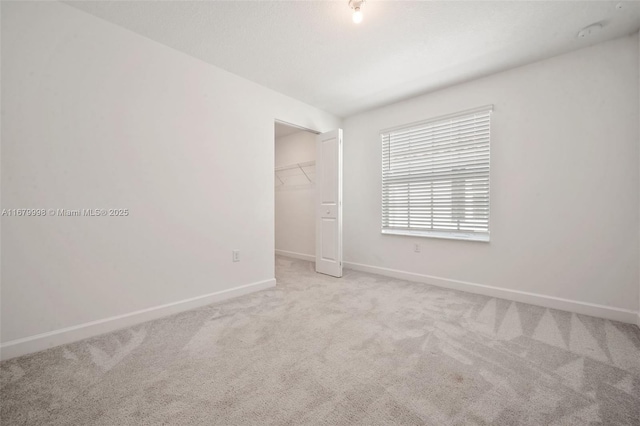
(442, 235)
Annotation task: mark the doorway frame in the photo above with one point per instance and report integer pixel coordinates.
(302, 129)
(295, 126)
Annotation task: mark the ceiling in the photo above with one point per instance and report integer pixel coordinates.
(312, 51)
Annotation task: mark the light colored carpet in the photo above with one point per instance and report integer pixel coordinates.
(363, 349)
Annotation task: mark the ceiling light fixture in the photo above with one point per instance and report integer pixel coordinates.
(356, 5)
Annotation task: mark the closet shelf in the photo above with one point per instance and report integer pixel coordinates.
(295, 166)
(306, 168)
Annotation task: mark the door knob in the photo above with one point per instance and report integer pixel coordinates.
(328, 211)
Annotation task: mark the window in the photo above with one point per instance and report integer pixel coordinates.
(435, 177)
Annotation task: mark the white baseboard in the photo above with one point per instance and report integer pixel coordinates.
(309, 257)
(600, 311)
(63, 336)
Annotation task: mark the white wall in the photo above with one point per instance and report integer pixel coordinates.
(95, 116)
(295, 199)
(564, 183)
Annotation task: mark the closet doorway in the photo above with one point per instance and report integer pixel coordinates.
(295, 192)
(308, 196)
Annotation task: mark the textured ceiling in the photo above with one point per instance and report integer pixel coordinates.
(312, 51)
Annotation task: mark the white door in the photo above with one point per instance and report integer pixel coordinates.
(329, 203)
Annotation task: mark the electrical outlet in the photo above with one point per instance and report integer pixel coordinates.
(236, 255)
(416, 248)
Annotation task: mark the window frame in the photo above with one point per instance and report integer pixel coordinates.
(431, 233)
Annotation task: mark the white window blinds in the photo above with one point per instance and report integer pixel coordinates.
(435, 177)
